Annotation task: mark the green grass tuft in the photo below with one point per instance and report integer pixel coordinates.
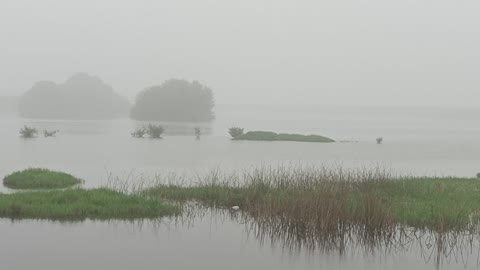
(39, 179)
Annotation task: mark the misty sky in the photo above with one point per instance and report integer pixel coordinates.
(337, 52)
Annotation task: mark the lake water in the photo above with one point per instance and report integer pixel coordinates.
(427, 141)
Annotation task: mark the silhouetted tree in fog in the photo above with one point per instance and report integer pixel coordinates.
(175, 100)
(80, 97)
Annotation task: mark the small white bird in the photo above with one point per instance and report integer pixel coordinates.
(235, 208)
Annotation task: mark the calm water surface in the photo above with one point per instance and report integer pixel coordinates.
(417, 141)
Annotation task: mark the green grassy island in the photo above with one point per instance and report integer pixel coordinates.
(272, 136)
(36, 178)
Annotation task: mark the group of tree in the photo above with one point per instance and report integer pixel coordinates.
(88, 97)
(80, 97)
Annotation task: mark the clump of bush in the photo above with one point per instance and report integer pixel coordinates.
(28, 132)
(198, 132)
(478, 175)
(139, 133)
(52, 133)
(235, 131)
(155, 131)
(379, 140)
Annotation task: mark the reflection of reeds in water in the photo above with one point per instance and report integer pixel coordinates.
(337, 210)
(436, 248)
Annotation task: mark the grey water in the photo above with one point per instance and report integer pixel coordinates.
(417, 141)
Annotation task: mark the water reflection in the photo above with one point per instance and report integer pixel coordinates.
(439, 249)
(207, 238)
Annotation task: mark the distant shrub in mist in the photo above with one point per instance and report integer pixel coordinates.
(155, 131)
(198, 132)
(139, 133)
(235, 131)
(28, 132)
(52, 133)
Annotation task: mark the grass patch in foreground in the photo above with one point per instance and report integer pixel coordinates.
(39, 179)
(326, 200)
(272, 136)
(80, 204)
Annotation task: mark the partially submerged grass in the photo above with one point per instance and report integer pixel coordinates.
(39, 179)
(325, 200)
(80, 204)
(272, 136)
(440, 203)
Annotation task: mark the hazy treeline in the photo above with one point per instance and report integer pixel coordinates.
(88, 97)
(80, 97)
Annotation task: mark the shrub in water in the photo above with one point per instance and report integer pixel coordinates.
(47, 133)
(198, 132)
(235, 131)
(28, 132)
(155, 131)
(139, 133)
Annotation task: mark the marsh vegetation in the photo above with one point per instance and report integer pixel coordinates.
(322, 200)
(325, 208)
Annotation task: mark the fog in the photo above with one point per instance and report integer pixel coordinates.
(357, 52)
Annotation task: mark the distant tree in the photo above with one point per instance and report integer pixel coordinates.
(175, 100)
(81, 97)
(235, 131)
(478, 175)
(379, 140)
(155, 131)
(28, 132)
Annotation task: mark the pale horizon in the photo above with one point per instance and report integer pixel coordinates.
(346, 53)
